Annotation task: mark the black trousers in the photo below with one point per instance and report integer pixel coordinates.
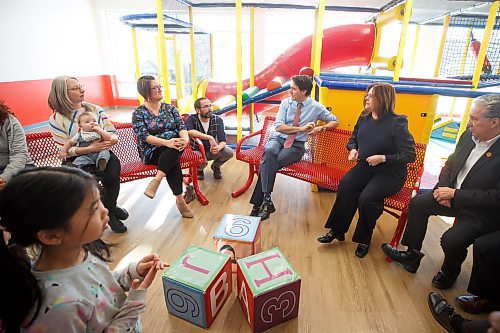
(274, 158)
(475, 326)
(110, 181)
(454, 241)
(361, 188)
(484, 279)
(168, 160)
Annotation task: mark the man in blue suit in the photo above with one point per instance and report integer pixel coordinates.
(468, 188)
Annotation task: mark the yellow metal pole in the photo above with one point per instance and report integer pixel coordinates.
(490, 22)
(252, 61)
(178, 71)
(446, 24)
(163, 53)
(313, 40)
(239, 83)
(211, 55)
(415, 46)
(376, 46)
(158, 55)
(465, 51)
(402, 40)
(465, 118)
(136, 60)
(318, 44)
(462, 68)
(193, 59)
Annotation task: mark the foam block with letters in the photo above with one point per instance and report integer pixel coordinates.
(268, 289)
(197, 285)
(238, 236)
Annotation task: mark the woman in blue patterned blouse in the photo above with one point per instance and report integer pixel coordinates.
(161, 138)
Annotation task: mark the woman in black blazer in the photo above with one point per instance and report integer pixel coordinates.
(382, 145)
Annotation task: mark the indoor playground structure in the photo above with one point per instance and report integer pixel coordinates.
(469, 58)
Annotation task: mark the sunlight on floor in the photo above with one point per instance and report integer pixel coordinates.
(157, 219)
(130, 195)
(135, 255)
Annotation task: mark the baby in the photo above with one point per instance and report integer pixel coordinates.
(89, 132)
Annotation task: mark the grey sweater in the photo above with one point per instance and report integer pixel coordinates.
(13, 151)
(89, 298)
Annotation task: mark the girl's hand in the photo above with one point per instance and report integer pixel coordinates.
(148, 279)
(353, 155)
(147, 268)
(151, 260)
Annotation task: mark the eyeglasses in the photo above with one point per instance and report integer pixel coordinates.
(78, 87)
(206, 106)
(157, 88)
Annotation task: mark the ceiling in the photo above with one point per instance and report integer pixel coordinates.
(423, 10)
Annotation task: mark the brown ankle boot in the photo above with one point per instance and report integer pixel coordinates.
(189, 194)
(184, 210)
(150, 191)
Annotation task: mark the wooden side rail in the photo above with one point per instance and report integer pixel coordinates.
(324, 164)
(45, 152)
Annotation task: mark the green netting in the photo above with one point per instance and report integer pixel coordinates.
(465, 30)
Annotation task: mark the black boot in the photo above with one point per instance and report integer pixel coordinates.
(266, 210)
(116, 225)
(255, 211)
(330, 236)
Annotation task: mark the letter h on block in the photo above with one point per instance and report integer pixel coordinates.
(197, 285)
(238, 236)
(268, 289)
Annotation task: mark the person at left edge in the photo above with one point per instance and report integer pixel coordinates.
(67, 101)
(276, 155)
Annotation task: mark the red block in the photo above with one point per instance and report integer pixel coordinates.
(268, 289)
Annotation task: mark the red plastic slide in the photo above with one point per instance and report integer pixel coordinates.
(347, 45)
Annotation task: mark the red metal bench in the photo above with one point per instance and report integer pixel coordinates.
(44, 152)
(324, 164)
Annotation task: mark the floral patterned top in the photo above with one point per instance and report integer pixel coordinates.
(166, 125)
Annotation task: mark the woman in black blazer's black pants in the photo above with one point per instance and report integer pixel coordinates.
(382, 145)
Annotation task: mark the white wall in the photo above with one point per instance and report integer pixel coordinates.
(43, 39)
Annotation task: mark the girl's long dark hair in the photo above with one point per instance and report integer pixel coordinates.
(35, 199)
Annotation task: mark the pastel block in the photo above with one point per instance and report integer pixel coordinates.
(197, 285)
(238, 236)
(268, 289)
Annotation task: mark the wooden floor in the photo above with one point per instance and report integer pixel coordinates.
(340, 293)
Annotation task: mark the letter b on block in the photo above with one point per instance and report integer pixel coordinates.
(197, 285)
(268, 289)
